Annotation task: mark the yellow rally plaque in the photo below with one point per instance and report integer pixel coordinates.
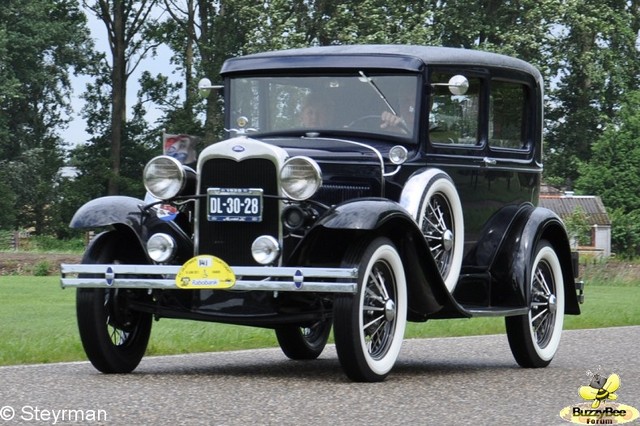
(205, 272)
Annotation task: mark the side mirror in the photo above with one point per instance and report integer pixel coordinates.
(458, 85)
(205, 87)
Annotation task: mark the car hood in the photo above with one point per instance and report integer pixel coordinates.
(328, 149)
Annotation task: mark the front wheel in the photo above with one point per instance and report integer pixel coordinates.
(304, 343)
(534, 337)
(369, 325)
(113, 336)
(441, 221)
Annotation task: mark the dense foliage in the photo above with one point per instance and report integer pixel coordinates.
(613, 173)
(587, 51)
(41, 43)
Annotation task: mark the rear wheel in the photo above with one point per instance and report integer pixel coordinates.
(302, 343)
(369, 325)
(534, 338)
(113, 336)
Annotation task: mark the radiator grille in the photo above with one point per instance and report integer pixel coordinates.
(231, 241)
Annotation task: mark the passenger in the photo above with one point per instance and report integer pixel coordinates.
(316, 112)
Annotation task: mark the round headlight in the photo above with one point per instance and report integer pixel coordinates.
(398, 154)
(265, 249)
(300, 178)
(164, 177)
(161, 247)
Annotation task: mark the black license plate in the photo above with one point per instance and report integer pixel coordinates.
(234, 204)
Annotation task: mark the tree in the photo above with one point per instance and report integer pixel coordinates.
(41, 41)
(625, 233)
(578, 226)
(92, 160)
(612, 173)
(597, 52)
(124, 21)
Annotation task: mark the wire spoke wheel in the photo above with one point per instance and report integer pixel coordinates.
(437, 229)
(306, 342)
(369, 326)
(441, 222)
(534, 338)
(113, 336)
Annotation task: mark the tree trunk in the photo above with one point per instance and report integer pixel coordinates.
(119, 90)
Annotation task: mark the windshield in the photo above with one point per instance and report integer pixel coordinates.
(361, 102)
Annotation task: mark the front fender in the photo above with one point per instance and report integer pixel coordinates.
(107, 211)
(364, 214)
(127, 216)
(327, 242)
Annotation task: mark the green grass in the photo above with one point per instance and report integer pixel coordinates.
(37, 323)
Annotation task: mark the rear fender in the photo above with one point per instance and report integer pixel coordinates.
(512, 265)
(327, 242)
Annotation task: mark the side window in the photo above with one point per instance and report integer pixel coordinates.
(453, 119)
(507, 115)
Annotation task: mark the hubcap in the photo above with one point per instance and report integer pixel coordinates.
(553, 303)
(447, 240)
(389, 310)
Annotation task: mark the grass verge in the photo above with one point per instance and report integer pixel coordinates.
(38, 323)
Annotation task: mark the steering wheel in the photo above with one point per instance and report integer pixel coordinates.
(367, 121)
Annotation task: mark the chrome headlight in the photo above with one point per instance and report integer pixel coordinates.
(300, 178)
(164, 177)
(265, 249)
(161, 247)
(398, 154)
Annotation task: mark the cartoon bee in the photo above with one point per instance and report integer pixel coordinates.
(600, 389)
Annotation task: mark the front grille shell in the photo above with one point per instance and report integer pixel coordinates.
(232, 241)
(238, 163)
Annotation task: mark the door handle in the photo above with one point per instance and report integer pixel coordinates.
(489, 161)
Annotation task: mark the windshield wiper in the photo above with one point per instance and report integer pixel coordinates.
(363, 78)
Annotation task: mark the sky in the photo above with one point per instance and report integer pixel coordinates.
(76, 132)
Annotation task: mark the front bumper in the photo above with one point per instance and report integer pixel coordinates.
(248, 278)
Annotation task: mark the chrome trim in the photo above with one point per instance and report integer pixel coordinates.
(229, 149)
(249, 278)
(398, 167)
(364, 145)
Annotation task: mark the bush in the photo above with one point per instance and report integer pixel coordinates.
(625, 233)
(41, 269)
(49, 243)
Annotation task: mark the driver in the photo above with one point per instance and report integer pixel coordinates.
(405, 109)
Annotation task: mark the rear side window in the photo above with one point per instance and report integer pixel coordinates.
(508, 127)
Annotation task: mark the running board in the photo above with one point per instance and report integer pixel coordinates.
(480, 311)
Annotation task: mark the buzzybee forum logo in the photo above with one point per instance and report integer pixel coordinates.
(599, 408)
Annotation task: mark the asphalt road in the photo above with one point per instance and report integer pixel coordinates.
(450, 381)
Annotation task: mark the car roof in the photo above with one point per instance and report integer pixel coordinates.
(399, 57)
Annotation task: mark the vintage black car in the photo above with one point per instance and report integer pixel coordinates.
(361, 187)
